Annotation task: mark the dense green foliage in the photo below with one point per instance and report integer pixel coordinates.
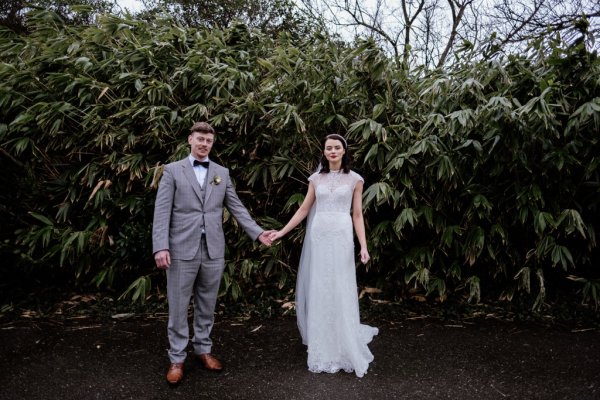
(268, 16)
(483, 178)
(13, 13)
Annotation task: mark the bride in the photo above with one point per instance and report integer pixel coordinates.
(326, 291)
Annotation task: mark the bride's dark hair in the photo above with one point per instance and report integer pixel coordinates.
(346, 159)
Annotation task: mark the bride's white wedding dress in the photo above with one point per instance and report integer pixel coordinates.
(326, 291)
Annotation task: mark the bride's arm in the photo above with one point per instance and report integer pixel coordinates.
(299, 215)
(359, 222)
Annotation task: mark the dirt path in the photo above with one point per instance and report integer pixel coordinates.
(414, 359)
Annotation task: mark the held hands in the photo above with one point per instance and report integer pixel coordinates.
(275, 235)
(265, 238)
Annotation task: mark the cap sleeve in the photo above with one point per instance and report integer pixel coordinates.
(313, 177)
(357, 177)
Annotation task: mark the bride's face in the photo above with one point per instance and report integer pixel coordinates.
(334, 150)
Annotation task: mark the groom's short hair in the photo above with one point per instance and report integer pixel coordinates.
(202, 127)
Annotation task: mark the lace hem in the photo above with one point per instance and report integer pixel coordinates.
(332, 368)
(317, 363)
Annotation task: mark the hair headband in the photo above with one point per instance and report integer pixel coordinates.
(338, 137)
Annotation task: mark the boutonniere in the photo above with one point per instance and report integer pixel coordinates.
(216, 180)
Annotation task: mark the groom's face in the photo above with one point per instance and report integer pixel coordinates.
(200, 144)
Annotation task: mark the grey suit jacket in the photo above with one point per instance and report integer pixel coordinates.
(179, 211)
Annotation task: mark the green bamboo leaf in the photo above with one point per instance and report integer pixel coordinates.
(380, 192)
(541, 296)
(474, 285)
(524, 278)
(427, 212)
(265, 64)
(295, 200)
(408, 215)
(84, 62)
(561, 255)
(378, 109)
(438, 285)
(41, 218)
(22, 119)
(573, 222)
(448, 235)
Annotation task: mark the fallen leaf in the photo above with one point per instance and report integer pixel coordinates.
(123, 316)
(369, 290)
(289, 304)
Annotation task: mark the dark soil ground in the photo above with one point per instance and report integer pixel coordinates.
(416, 357)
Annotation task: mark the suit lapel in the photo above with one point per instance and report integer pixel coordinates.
(191, 177)
(210, 175)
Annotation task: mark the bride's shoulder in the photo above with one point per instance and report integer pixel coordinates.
(314, 177)
(356, 176)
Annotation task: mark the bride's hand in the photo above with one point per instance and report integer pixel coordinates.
(275, 235)
(364, 256)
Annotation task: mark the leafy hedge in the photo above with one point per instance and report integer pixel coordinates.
(480, 178)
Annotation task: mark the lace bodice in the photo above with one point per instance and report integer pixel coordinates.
(334, 190)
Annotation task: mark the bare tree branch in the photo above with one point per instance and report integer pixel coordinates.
(458, 11)
(408, 27)
(425, 32)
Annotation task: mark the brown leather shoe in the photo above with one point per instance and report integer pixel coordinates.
(175, 373)
(209, 362)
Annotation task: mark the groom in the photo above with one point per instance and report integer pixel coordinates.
(189, 243)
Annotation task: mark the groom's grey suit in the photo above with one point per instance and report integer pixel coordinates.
(188, 221)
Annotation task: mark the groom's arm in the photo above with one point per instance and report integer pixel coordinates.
(162, 212)
(241, 214)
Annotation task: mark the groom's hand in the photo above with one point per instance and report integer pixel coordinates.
(162, 259)
(265, 238)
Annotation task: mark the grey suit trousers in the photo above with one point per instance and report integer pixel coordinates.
(200, 278)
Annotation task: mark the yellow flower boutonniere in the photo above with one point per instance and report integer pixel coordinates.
(216, 180)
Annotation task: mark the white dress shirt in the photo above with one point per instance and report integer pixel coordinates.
(199, 170)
